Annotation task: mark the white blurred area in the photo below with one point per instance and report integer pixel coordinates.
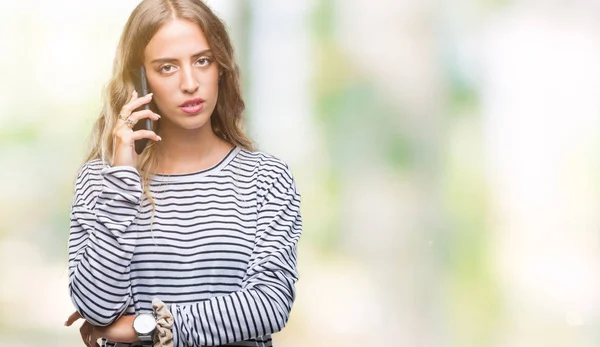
(523, 160)
(541, 85)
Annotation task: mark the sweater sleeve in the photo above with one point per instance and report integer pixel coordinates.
(263, 304)
(105, 203)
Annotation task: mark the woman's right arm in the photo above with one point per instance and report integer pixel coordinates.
(105, 203)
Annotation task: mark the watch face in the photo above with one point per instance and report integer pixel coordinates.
(144, 323)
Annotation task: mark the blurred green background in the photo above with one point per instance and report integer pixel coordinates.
(447, 153)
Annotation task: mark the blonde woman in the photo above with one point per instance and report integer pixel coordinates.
(199, 221)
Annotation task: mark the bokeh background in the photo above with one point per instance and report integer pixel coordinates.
(447, 153)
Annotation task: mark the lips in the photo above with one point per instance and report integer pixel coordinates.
(192, 106)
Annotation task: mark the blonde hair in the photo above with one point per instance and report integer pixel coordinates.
(143, 23)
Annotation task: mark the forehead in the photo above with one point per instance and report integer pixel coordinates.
(176, 38)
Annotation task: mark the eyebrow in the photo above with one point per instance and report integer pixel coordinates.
(172, 60)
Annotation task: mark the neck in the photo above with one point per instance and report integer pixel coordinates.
(185, 151)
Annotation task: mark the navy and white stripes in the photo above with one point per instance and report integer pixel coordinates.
(220, 251)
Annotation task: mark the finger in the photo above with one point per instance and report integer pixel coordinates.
(129, 107)
(136, 116)
(145, 134)
(85, 336)
(72, 318)
(127, 138)
(133, 95)
(95, 337)
(87, 331)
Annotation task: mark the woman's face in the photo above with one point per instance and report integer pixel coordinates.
(182, 74)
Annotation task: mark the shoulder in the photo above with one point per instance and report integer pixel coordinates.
(90, 170)
(88, 182)
(97, 168)
(269, 167)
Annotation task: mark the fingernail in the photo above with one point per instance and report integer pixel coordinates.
(149, 95)
(157, 115)
(159, 138)
(134, 92)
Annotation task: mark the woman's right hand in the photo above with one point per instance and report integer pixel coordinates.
(123, 134)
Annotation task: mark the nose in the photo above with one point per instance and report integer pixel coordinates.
(189, 84)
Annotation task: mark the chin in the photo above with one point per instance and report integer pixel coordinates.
(194, 122)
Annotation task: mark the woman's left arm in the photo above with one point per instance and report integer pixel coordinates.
(264, 303)
(120, 330)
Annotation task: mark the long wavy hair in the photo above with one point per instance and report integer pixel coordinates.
(145, 20)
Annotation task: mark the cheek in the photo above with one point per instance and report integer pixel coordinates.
(161, 94)
(215, 96)
(215, 86)
(216, 90)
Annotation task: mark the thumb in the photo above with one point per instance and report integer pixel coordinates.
(72, 318)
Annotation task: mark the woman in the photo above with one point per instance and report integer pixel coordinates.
(198, 220)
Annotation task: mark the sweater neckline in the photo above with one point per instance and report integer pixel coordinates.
(202, 173)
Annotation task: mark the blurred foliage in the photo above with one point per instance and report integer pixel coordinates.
(358, 125)
(24, 134)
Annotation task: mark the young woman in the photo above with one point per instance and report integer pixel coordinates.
(199, 220)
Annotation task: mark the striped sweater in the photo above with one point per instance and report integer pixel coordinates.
(219, 250)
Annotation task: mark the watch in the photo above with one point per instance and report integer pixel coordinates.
(144, 325)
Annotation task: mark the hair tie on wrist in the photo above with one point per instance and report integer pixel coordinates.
(164, 324)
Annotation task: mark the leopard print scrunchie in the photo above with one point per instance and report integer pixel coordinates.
(164, 324)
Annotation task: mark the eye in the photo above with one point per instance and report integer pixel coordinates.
(204, 61)
(166, 68)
